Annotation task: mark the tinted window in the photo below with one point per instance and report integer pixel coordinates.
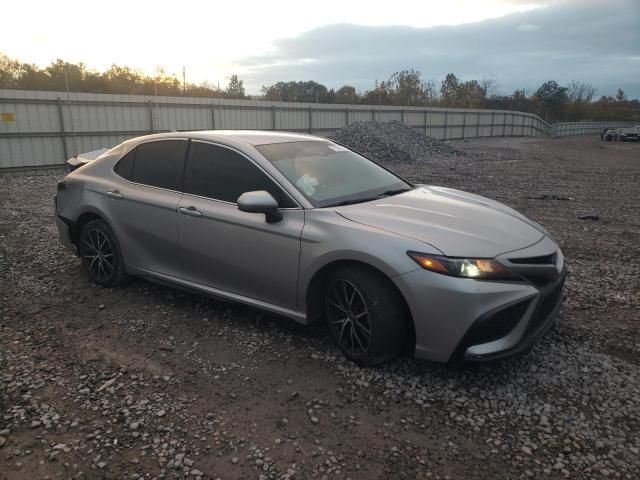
(124, 167)
(222, 174)
(159, 164)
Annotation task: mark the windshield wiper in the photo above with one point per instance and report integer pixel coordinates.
(352, 201)
(387, 193)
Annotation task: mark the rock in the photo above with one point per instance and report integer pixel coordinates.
(196, 473)
(102, 465)
(589, 217)
(106, 384)
(134, 425)
(35, 424)
(161, 413)
(314, 420)
(2, 441)
(526, 450)
(234, 460)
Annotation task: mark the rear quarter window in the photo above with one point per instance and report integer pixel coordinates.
(124, 167)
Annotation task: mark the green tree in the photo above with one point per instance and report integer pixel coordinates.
(346, 94)
(553, 98)
(449, 90)
(235, 88)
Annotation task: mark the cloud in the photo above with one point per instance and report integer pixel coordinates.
(527, 27)
(596, 42)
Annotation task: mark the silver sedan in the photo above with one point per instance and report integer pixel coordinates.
(309, 229)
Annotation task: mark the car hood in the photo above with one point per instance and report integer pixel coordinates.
(457, 223)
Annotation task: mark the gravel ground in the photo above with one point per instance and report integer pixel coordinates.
(149, 382)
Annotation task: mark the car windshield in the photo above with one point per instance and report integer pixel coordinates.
(328, 174)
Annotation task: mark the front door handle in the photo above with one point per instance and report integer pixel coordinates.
(190, 211)
(114, 194)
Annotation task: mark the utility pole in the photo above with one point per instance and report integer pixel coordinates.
(73, 129)
(184, 80)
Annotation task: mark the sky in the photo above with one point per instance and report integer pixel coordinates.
(519, 43)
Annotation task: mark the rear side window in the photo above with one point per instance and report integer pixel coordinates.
(124, 167)
(159, 164)
(222, 174)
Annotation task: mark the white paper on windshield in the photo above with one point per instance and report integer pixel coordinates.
(338, 148)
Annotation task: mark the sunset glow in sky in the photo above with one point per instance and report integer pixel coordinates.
(337, 42)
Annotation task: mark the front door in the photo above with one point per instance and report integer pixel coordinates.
(230, 250)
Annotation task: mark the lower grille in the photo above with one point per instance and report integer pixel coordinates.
(547, 303)
(496, 325)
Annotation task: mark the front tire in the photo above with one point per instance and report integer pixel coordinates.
(101, 254)
(367, 317)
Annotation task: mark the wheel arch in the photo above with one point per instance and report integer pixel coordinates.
(315, 289)
(85, 217)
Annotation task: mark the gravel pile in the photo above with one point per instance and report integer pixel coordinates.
(393, 142)
(150, 382)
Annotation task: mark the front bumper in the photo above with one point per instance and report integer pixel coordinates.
(459, 319)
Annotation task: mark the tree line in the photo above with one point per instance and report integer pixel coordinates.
(553, 102)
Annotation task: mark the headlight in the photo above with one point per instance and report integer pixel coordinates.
(479, 268)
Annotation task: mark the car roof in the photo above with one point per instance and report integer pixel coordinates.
(247, 137)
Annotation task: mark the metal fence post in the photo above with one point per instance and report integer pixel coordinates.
(402, 115)
(493, 116)
(504, 124)
(213, 116)
(273, 117)
(478, 124)
(62, 130)
(446, 119)
(310, 120)
(346, 115)
(426, 115)
(464, 124)
(373, 114)
(151, 128)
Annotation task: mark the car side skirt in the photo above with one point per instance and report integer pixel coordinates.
(156, 277)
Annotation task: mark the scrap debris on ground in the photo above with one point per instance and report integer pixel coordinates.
(146, 382)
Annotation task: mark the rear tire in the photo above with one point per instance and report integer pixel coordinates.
(367, 317)
(101, 254)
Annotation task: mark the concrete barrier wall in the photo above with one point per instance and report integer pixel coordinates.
(40, 129)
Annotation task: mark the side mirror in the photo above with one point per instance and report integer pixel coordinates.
(260, 201)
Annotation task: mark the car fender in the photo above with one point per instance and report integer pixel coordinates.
(328, 237)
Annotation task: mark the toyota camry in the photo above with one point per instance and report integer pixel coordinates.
(307, 228)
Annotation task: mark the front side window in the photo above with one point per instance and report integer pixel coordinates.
(221, 174)
(329, 174)
(159, 164)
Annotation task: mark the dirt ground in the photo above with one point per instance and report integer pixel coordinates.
(149, 382)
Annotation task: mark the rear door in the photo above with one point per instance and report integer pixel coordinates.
(230, 250)
(143, 206)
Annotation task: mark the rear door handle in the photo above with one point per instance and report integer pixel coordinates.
(114, 194)
(190, 211)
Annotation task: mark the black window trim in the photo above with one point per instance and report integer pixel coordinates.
(181, 176)
(187, 164)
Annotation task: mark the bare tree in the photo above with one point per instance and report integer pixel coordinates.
(580, 92)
